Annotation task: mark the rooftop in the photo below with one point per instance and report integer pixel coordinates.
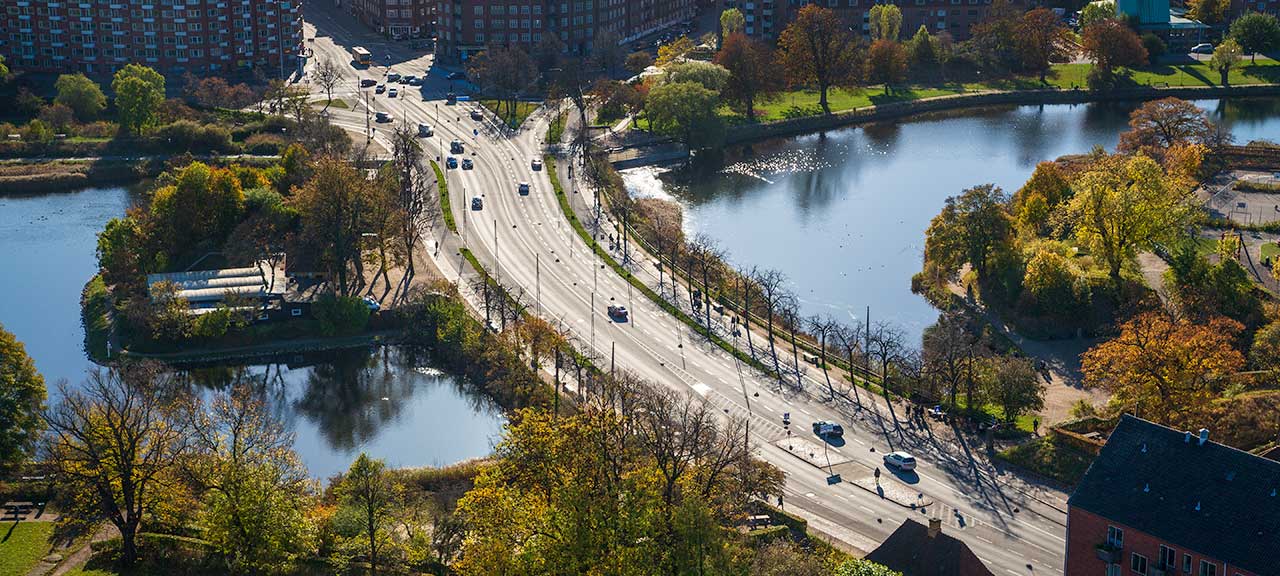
(1209, 498)
(915, 550)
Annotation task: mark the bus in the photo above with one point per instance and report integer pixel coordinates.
(363, 57)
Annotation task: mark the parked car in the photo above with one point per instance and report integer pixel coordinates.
(457, 76)
(825, 429)
(523, 189)
(537, 165)
(476, 115)
(392, 93)
(381, 117)
(392, 77)
(1204, 48)
(618, 313)
(466, 164)
(373, 304)
(451, 162)
(455, 147)
(408, 79)
(415, 82)
(425, 131)
(367, 82)
(381, 88)
(900, 460)
(937, 412)
(477, 203)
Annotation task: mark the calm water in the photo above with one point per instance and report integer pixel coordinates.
(334, 406)
(844, 215)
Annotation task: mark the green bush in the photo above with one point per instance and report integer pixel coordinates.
(340, 315)
(1050, 456)
(1261, 187)
(264, 144)
(189, 136)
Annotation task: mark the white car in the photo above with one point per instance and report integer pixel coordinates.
(900, 460)
(537, 165)
(392, 93)
(372, 304)
(1204, 48)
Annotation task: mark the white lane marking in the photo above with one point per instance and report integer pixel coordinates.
(867, 510)
(701, 389)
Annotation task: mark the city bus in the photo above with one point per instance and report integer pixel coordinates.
(363, 57)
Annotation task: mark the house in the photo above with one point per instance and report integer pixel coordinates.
(918, 550)
(1163, 502)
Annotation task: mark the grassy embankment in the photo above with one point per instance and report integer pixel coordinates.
(513, 119)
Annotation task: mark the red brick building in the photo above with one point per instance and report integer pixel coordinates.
(396, 19)
(1160, 502)
(173, 36)
(767, 18)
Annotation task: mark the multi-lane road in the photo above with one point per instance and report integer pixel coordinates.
(1013, 525)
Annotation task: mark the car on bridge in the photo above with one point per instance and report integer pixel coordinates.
(451, 162)
(477, 203)
(467, 164)
(828, 429)
(371, 303)
(523, 189)
(901, 460)
(618, 312)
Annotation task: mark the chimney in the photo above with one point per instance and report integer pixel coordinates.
(1204, 436)
(1187, 437)
(935, 527)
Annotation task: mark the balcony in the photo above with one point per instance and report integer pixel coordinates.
(1109, 553)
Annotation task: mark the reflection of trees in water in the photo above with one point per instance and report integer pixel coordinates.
(1233, 111)
(267, 381)
(343, 397)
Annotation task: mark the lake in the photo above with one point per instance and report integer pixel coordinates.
(843, 214)
(334, 404)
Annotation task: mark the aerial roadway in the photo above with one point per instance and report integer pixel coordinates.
(1013, 525)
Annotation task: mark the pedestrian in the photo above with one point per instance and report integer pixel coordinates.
(877, 475)
(1035, 426)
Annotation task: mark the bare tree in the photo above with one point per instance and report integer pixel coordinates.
(949, 352)
(824, 327)
(773, 295)
(327, 76)
(416, 197)
(849, 336)
(790, 313)
(886, 343)
(709, 260)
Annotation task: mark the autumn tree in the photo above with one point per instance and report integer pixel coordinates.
(1256, 32)
(994, 39)
(752, 76)
(198, 210)
(1165, 369)
(686, 111)
(1097, 11)
(1014, 385)
(817, 49)
(1224, 58)
(637, 62)
(81, 94)
(22, 396)
(368, 490)
(333, 205)
(885, 21)
(139, 90)
(1159, 125)
(1042, 40)
(1110, 43)
(1123, 204)
(922, 49)
(1034, 203)
(1208, 11)
(671, 51)
(327, 77)
(950, 351)
(969, 229)
(115, 442)
(886, 62)
(731, 22)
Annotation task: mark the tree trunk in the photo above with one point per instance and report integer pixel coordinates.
(129, 544)
(795, 357)
(822, 98)
(853, 382)
(822, 349)
(773, 347)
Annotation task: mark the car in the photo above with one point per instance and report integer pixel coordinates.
(1203, 48)
(425, 131)
(523, 188)
(451, 98)
(457, 76)
(451, 162)
(392, 93)
(477, 203)
(367, 82)
(937, 412)
(381, 88)
(371, 303)
(476, 115)
(466, 164)
(415, 82)
(900, 460)
(537, 165)
(408, 79)
(618, 312)
(455, 147)
(381, 117)
(392, 76)
(825, 429)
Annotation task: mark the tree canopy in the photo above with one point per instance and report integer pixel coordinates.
(139, 91)
(687, 111)
(1256, 32)
(22, 396)
(752, 76)
(81, 94)
(970, 227)
(818, 50)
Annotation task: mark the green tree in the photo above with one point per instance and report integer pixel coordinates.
(732, 22)
(37, 131)
(886, 62)
(139, 92)
(1154, 45)
(711, 76)
(637, 62)
(1035, 202)
(368, 489)
(1265, 352)
(1208, 11)
(970, 228)
(198, 210)
(254, 488)
(686, 111)
(1225, 57)
(921, 49)
(817, 49)
(1094, 12)
(81, 94)
(22, 396)
(1122, 204)
(860, 567)
(1014, 385)
(885, 22)
(115, 443)
(1256, 32)
(752, 76)
(4, 70)
(1054, 282)
(121, 252)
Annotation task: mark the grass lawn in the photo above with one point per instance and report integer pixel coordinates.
(22, 545)
(1050, 456)
(1270, 250)
(523, 110)
(336, 103)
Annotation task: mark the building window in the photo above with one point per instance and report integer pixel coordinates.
(1168, 558)
(1138, 563)
(1186, 563)
(1208, 568)
(1115, 537)
(1113, 570)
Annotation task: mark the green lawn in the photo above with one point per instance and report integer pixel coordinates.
(336, 103)
(1269, 251)
(22, 545)
(523, 110)
(1050, 456)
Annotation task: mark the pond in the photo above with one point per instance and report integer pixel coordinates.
(843, 214)
(386, 401)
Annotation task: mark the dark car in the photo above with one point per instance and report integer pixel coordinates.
(826, 429)
(618, 313)
(457, 76)
(467, 164)
(392, 77)
(451, 98)
(367, 82)
(455, 147)
(476, 115)
(451, 162)
(382, 117)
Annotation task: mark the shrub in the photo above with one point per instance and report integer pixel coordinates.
(340, 315)
(1154, 45)
(99, 129)
(189, 136)
(264, 144)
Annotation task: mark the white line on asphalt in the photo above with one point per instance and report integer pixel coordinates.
(865, 509)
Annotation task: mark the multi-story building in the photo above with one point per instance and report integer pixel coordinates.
(767, 18)
(397, 19)
(465, 27)
(1161, 502)
(202, 37)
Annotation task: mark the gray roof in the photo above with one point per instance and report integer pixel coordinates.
(1212, 499)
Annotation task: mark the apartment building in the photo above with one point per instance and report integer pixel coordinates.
(173, 36)
(1163, 502)
(767, 18)
(396, 19)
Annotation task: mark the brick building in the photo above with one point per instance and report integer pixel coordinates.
(465, 27)
(767, 18)
(397, 19)
(1160, 502)
(173, 36)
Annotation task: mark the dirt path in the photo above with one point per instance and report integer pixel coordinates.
(64, 559)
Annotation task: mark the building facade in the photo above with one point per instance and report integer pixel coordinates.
(203, 37)
(396, 19)
(767, 18)
(1161, 502)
